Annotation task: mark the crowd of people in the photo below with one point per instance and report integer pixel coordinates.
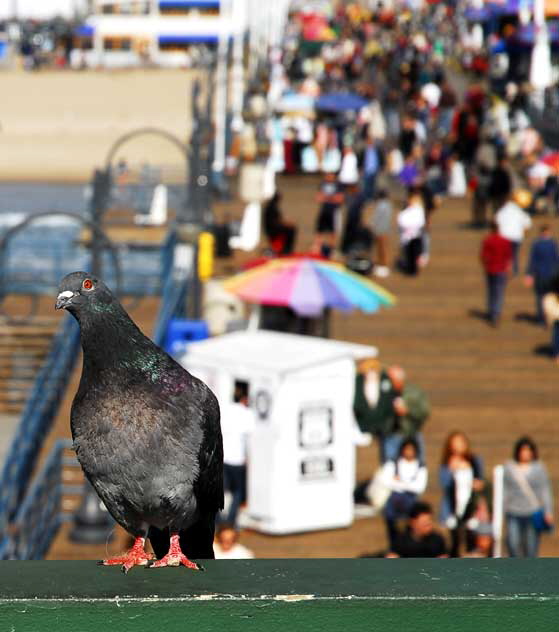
(393, 411)
(382, 121)
(392, 133)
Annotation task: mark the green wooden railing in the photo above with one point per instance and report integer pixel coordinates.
(295, 595)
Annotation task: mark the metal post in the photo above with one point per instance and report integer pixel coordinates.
(98, 206)
(238, 88)
(498, 473)
(192, 198)
(199, 211)
(252, 39)
(218, 166)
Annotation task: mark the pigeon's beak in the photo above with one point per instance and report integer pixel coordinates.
(64, 299)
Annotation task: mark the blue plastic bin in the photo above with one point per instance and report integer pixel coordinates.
(181, 332)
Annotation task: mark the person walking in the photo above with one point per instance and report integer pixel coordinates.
(330, 199)
(513, 222)
(411, 222)
(381, 223)
(500, 186)
(528, 500)
(484, 164)
(543, 265)
(496, 257)
(237, 423)
(373, 163)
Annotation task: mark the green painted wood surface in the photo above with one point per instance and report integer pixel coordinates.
(269, 595)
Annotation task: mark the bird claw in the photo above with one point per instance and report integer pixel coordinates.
(175, 560)
(128, 561)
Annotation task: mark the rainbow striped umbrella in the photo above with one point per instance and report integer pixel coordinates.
(308, 286)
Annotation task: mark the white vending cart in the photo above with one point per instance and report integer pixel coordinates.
(301, 470)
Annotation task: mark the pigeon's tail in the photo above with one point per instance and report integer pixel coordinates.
(196, 541)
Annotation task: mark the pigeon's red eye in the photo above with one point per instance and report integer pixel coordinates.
(87, 284)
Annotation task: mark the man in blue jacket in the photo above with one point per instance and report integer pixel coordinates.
(543, 265)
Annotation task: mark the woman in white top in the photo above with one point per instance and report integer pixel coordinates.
(406, 478)
(411, 223)
(513, 222)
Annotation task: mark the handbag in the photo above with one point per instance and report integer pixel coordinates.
(377, 492)
(539, 523)
(538, 516)
(309, 160)
(332, 160)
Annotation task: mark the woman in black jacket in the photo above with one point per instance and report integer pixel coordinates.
(461, 479)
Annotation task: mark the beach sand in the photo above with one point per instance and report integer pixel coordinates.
(59, 126)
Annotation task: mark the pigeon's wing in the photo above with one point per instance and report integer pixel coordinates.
(191, 434)
(208, 486)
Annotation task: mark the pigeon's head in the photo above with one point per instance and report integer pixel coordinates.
(81, 292)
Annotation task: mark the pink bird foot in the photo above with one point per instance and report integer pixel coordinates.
(136, 556)
(175, 557)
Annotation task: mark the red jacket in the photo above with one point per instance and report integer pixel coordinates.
(496, 254)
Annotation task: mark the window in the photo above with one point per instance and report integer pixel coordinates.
(240, 390)
(168, 7)
(117, 43)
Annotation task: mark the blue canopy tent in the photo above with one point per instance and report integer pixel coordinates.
(340, 102)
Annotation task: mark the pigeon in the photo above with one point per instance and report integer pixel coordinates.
(146, 433)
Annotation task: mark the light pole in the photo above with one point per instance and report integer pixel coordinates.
(221, 81)
(238, 71)
(540, 67)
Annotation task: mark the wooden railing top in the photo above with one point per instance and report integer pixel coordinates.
(308, 579)
(368, 595)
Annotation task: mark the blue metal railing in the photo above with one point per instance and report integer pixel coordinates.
(172, 306)
(37, 418)
(175, 287)
(38, 256)
(40, 514)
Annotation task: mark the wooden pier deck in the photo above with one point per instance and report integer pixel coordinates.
(494, 384)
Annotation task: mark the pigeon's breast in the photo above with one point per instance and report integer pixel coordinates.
(137, 452)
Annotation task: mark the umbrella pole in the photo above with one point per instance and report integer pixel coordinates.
(326, 322)
(254, 318)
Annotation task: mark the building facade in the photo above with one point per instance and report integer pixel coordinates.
(169, 33)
